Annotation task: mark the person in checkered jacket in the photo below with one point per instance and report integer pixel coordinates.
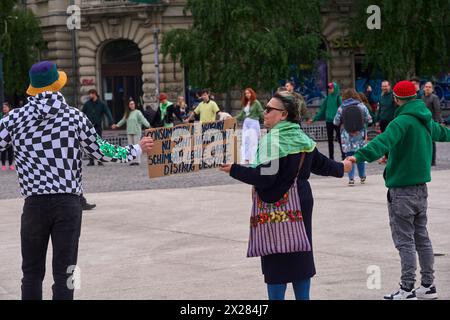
(48, 137)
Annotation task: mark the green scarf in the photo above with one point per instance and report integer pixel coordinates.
(287, 138)
(164, 106)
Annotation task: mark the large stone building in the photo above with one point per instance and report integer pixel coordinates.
(114, 48)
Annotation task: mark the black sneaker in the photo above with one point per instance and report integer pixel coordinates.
(88, 206)
(351, 182)
(85, 205)
(100, 164)
(402, 294)
(91, 164)
(426, 293)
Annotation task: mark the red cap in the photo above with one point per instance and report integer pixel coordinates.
(162, 97)
(405, 90)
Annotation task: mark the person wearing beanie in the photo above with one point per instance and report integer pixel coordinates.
(166, 113)
(49, 137)
(408, 139)
(327, 112)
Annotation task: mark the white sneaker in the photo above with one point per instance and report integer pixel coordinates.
(427, 293)
(401, 294)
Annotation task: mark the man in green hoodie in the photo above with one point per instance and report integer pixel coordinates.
(408, 139)
(327, 112)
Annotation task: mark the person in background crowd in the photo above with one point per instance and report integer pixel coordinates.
(207, 109)
(134, 119)
(434, 105)
(357, 138)
(8, 153)
(304, 114)
(416, 81)
(363, 99)
(327, 112)
(166, 113)
(95, 110)
(4, 105)
(386, 108)
(371, 99)
(182, 108)
(251, 114)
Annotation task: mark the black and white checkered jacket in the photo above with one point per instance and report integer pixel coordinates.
(48, 139)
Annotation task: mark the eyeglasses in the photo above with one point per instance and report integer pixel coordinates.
(268, 109)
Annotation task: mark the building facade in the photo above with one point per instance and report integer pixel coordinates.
(112, 49)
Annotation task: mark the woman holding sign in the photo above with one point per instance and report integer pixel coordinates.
(280, 224)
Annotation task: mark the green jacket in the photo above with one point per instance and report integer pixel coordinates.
(330, 105)
(96, 110)
(408, 139)
(256, 112)
(386, 109)
(134, 122)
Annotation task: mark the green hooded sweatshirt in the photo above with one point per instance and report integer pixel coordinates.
(408, 139)
(330, 105)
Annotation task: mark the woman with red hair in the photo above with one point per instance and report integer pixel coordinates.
(252, 113)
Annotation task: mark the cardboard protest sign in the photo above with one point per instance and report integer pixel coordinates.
(191, 147)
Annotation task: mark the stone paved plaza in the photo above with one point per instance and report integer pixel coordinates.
(174, 242)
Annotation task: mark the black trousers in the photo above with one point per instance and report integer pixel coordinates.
(433, 159)
(7, 154)
(331, 130)
(59, 217)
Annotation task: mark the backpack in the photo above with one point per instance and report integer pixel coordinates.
(353, 118)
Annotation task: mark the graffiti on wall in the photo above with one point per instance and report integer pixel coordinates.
(312, 83)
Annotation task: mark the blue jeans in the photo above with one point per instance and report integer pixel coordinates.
(301, 290)
(361, 168)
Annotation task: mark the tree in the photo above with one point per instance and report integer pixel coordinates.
(414, 38)
(246, 43)
(20, 42)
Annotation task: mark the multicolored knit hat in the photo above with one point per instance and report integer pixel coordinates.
(405, 90)
(44, 76)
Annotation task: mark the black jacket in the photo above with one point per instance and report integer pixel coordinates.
(290, 267)
(172, 112)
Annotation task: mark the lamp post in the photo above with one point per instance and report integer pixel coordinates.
(155, 41)
(2, 90)
(73, 34)
(156, 32)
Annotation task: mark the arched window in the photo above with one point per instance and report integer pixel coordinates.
(121, 70)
